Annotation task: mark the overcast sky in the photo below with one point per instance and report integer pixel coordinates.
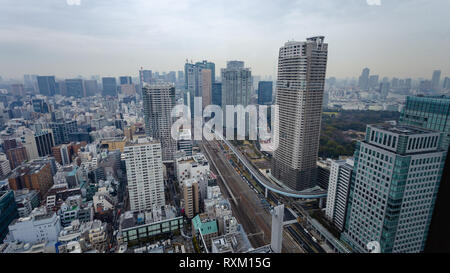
(66, 38)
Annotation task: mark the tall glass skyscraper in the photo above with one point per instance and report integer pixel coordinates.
(109, 86)
(47, 85)
(300, 86)
(434, 113)
(395, 180)
(428, 112)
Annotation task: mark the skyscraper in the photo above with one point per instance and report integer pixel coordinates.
(144, 174)
(446, 83)
(363, 82)
(145, 76)
(109, 86)
(216, 97)
(125, 80)
(236, 84)
(46, 85)
(393, 189)
(61, 131)
(338, 189)
(158, 100)
(91, 87)
(265, 92)
(300, 86)
(436, 80)
(206, 87)
(429, 113)
(434, 113)
(193, 82)
(75, 88)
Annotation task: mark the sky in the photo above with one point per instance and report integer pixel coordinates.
(67, 38)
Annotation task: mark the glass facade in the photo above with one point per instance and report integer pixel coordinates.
(8, 212)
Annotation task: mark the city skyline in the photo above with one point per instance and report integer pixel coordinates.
(125, 36)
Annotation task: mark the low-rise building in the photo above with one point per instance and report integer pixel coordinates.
(40, 226)
(135, 226)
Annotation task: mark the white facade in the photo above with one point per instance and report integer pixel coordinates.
(40, 226)
(299, 95)
(338, 187)
(145, 174)
(195, 166)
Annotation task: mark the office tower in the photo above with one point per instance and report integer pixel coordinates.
(75, 88)
(433, 113)
(436, 80)
(185, 142)
(91, 87)
(144, 167)
(216, 96)
(40, 106)
(193, 81)
(394, 83)
(384, 89)
(180, 76)
(171, 77)
(236, 84)
(408, 85)
(18, 90)
(145, 76)
(191, 198)
(373, 81)
(8, 207)
(109, 86)
(300, 86)
(265, 92)
(363, 82)
(125, 80)
(338, 189)
(206, 87)
(446, 83)
(393, 189)
(429, 113)
(208, 65)
(61, 131)
(46, 85)
(158, 100)
(425, 86)
(44, 142)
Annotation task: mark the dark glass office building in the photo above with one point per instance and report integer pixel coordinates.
(47, 85)
(8, 212)
(265, 92)
(216, 93)
(109, 86)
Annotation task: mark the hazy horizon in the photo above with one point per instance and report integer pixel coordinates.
(67, 38)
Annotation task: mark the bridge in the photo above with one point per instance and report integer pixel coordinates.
(313, 193)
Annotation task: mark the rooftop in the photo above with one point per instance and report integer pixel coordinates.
(131, 219)
(401, 129)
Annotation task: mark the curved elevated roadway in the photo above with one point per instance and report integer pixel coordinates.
(314, 193)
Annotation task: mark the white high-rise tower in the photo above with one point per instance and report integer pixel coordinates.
(300, 87)
(145, 174)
